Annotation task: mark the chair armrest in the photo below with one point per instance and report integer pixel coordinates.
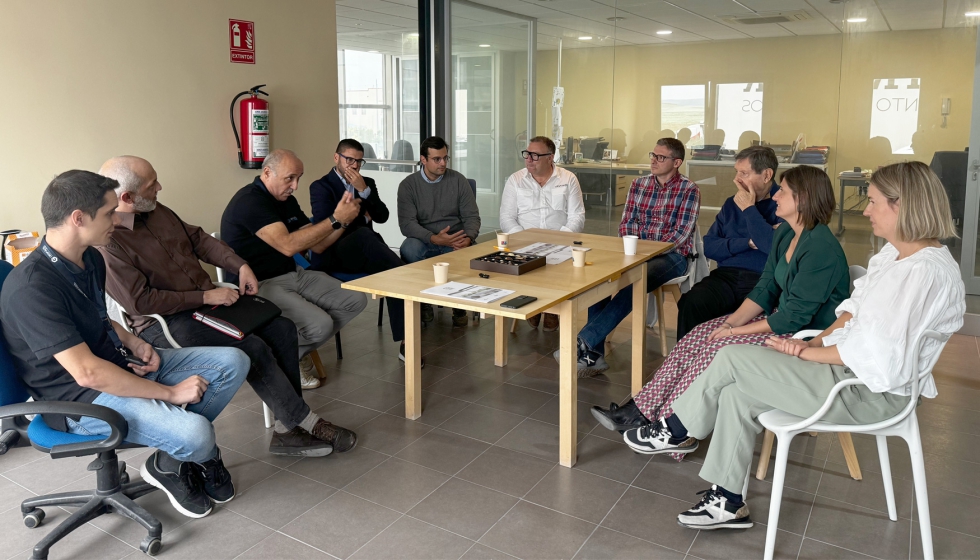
(809, 333)
(226, 285)
(115, 420)
(165, 329)
(802, 424)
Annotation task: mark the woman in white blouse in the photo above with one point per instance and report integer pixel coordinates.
(912, 285)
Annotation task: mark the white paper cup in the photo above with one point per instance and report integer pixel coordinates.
(578, 256)
(629, 244)
(441, 271)
(502, 240)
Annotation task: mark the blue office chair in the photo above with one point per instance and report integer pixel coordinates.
(114, 492)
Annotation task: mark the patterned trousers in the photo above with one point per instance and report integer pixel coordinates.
(684, 364)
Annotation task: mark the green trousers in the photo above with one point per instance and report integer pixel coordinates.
(742, 382)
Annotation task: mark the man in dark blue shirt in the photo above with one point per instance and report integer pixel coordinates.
(739, 241)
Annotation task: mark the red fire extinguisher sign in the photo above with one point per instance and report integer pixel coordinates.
(241, 41)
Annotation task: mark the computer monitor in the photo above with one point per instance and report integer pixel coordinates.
(600, 147)
(587, 146)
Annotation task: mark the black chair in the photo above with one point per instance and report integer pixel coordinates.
(114, 492)
(950, 167)
(369, 154)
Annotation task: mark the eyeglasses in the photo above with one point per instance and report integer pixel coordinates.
(534, 157)
(438, 159)
(352, 161)
(659, 158)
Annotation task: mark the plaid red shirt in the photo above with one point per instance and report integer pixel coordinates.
(665, 213)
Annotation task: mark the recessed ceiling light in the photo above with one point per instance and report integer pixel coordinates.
(857, 20)
(484, 46)
(664, 32)
(615, 18)
(585, 38)
(372, 51)
(413, 34)
(972, 14)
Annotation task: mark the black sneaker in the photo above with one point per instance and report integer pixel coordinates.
(217, 480)
(401, 354)
(620, 418)
(299, 443)
(654, 439)
(590, 363)
(183, 487)
(428, 315)
(714, 511)
(341, 439)
(460, 319)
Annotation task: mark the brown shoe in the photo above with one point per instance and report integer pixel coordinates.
(341, 439)
(550, 322)
(533, 321)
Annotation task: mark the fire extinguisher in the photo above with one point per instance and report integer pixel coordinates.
(253, 116)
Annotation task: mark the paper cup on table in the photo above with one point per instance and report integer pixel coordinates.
(441, 270)
(578, 256)
(502, 240)
(629, 244)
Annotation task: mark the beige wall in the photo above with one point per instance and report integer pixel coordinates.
(84, 81)
(809, 87)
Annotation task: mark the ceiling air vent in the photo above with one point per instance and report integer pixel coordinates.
(768, 17)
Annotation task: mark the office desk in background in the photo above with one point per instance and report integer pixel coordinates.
(614, 178)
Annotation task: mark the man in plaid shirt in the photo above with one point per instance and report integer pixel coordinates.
(662, 206)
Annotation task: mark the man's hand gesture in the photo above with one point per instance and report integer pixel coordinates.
(744, 197)
(445, 239)
(347, 209)
(355, 179)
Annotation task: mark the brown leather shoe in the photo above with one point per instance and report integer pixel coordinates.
(341, 439)
(550, 322)
(534, 321)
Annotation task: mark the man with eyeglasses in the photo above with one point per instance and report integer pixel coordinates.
(265, 225)
(355, 247)
(544, 196)
(662, 206)
(437, 212)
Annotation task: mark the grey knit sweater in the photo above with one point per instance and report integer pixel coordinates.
(425, 209)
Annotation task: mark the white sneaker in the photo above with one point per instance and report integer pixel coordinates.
(654, 439)
(715, 512)
(308, 378)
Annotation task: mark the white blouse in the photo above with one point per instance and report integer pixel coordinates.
(556, 205)
(892, 305)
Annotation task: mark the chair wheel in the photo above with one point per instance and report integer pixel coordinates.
(151, 546)
(33, 518)
(124, 478)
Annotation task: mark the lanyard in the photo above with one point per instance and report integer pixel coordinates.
(62, 268)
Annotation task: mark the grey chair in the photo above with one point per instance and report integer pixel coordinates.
(402, 150)
(369, 153)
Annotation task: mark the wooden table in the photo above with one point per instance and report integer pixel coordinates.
(561, 289)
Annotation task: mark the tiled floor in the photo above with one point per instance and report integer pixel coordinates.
(476, 476)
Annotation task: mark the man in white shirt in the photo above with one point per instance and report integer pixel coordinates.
(542, 195)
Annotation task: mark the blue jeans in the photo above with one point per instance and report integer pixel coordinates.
(606, 314)
(186, 434)
(415, 250)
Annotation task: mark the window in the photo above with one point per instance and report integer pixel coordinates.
(894, 114)
(682, 107)
(739, 113)
(363, 110)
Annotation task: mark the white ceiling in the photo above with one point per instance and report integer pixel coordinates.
(388, 25)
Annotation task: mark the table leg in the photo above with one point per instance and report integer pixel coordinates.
(413, 360)
(568, 385)
(500, 336)
(639, 333)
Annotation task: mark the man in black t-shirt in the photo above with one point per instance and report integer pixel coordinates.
(264, 224)
(66, 348)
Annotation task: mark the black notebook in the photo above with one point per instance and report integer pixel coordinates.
(241, 318)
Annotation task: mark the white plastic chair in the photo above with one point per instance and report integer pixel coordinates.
(904, 425)
(120, 315)
(696, 270)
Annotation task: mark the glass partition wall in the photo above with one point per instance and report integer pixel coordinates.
(860, 84)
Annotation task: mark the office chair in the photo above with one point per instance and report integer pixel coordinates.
(114, 492)
(402, 150)
(951, 169)
(369, 154)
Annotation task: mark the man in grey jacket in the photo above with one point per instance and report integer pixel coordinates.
(437, 212)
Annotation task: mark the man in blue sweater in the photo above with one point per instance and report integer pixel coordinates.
(739, 241)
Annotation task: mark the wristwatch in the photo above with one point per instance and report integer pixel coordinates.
(334, 222)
